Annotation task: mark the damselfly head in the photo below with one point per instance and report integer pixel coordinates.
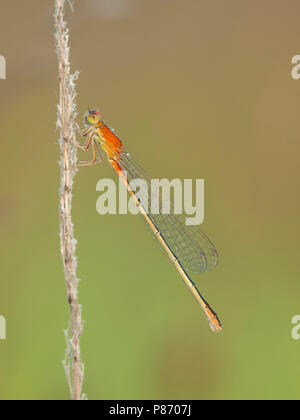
(92, 117)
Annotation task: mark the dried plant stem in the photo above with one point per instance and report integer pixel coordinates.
(66, 124)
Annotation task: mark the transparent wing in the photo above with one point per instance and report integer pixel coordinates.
(192, 247)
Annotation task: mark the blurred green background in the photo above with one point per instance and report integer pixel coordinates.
(196, 89)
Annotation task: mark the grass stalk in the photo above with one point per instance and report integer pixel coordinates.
(66, 114)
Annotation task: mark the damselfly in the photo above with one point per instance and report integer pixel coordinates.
(188, 247)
